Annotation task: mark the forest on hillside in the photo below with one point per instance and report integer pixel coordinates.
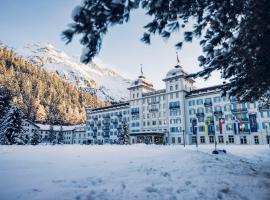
(43, 97)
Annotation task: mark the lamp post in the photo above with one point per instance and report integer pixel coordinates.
(267, 138)
(184, 139)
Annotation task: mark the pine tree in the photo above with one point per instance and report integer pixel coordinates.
(35, 138)
(11, 131)
(124, 135)
(60, 138)
(43, 97)
(52, 135)
(234, 35)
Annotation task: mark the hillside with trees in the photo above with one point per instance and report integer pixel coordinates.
(43, 97)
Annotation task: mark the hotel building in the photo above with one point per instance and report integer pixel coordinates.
(178, 114)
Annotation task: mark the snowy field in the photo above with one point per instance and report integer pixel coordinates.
(134, 172)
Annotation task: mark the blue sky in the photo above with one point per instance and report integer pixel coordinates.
(26, 21)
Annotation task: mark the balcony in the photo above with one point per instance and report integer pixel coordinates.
(244, 119)
(200, 115)
(244, 131)
(171, 107)
(241, 110)
(105, 122)
(217, 112)
(153, 110)
(208, 104)
(105, 128)
(106, 135)
(106, 117)
(154, 102)
(119, 115)
(135, 112)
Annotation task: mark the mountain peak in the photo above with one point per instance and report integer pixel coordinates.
(109, 84)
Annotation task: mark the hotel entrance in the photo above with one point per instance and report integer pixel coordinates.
(149, 138)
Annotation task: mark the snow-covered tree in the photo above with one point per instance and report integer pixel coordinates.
(124, 135)
(35, 138)
(234, 35)
(52, 135)
(60, 136)
(11, 131)
(5, 99)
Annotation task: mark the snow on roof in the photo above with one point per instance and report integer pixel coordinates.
(56, 127)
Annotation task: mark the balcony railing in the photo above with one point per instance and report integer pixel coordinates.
(106, 135)
(174, 107)
(208, 104)
(106, 122)
(119, 115)
(243, 131)
(153, 110)
(240, 110)
(217, 112)
(154, 102)
(106, 117)
(200, 114)
(135, 112)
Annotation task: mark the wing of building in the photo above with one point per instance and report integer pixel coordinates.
(178, 114)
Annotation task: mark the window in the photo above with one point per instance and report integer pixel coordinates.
(191, 103)
(202, 139)
(173, 140)
(268, 139)
(208, 100)
(194, 139)
(243, 140)
(220, 139)
(211, 139)
(171, 88)
(199, 101)
(231, 139)
(179, 139)
(201, 128)
(256, 139)
(176, 87)
(217, 99)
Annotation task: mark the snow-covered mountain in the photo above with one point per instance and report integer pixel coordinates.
(108, 84)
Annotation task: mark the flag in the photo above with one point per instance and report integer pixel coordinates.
(194, 123)
(206, 128)
(253, 122)
(236, 127)
(221, 121)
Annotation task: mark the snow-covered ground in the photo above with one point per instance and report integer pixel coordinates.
(134, 172)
